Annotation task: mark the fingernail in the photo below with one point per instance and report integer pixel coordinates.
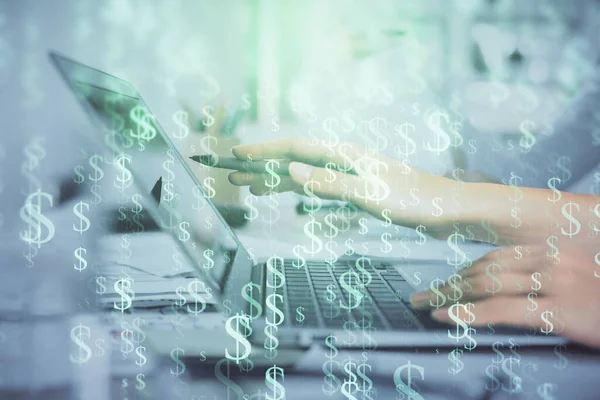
(300, 172)
(240, 151)
(440, 314)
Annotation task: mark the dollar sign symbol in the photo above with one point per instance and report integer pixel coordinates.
(460, 257)
(97, 197)
(248, 295)
(227, 306)
(438, 212)
(597, 213)
(315, 202)
(490, 271)
(124, 177)
(403, 131)
(486, 225)
(460, 324)
(552, 241)
(123, 288)
(330, 296)
(144, 129)
(84, 222)
(209, 263)
(567, 212)
(549, 325)
(246, 103)
(32, 215)
(495, 382)
(562, 361)
(181, 119)
(457, 291)
(226, 381)
(472, 342)
(79, 334)
(515, 181)
(563, 164)
(442, 138)
(207, 183)
(385, 239)
(209, 119)
(537, 285)
(472, 146)
(546, 391)
(242, 322)
(299, 315)
(330, 167)
(334, 138)
(532, 306)
(185, 234)
(98, 171)
(519, 253)
(528, 139)
(142, 359)
(557, 195)
(168, 194)
(367, 383)
(455, 127)
(514, 385)
(331, 382)
(457, 364)
(79, 252)
(597, 261)
(350, 385)
(275, 319)
(140, 385)
(300, 261)
(176, 353)
(79, 178)
(253, 210)
(194, 291)
(422, 238)
(350, 282)
(440, 299)
(275, 276)
(376, 188)
(140, 335)
(380, 141)
(176, 258)
(34, 152)
(101, 285)
(365, 276)
(275, 178)
(406, 387)
(271, 381)
(417, 278)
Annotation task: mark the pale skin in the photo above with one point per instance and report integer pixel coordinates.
(521, 219)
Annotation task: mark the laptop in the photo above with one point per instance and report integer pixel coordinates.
(366, 297)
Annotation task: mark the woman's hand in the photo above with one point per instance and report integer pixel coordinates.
(553, 291)
(382, 186)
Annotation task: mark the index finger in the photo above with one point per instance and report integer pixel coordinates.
(309, 151)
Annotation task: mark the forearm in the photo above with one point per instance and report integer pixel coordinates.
(525, 215)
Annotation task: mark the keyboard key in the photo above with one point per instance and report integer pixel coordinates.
(402, 289)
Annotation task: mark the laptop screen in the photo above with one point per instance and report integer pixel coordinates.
(141, 155)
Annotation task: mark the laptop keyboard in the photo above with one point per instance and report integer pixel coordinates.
(321, 296)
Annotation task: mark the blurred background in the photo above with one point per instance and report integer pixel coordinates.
(503, 67)
(291, 63)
